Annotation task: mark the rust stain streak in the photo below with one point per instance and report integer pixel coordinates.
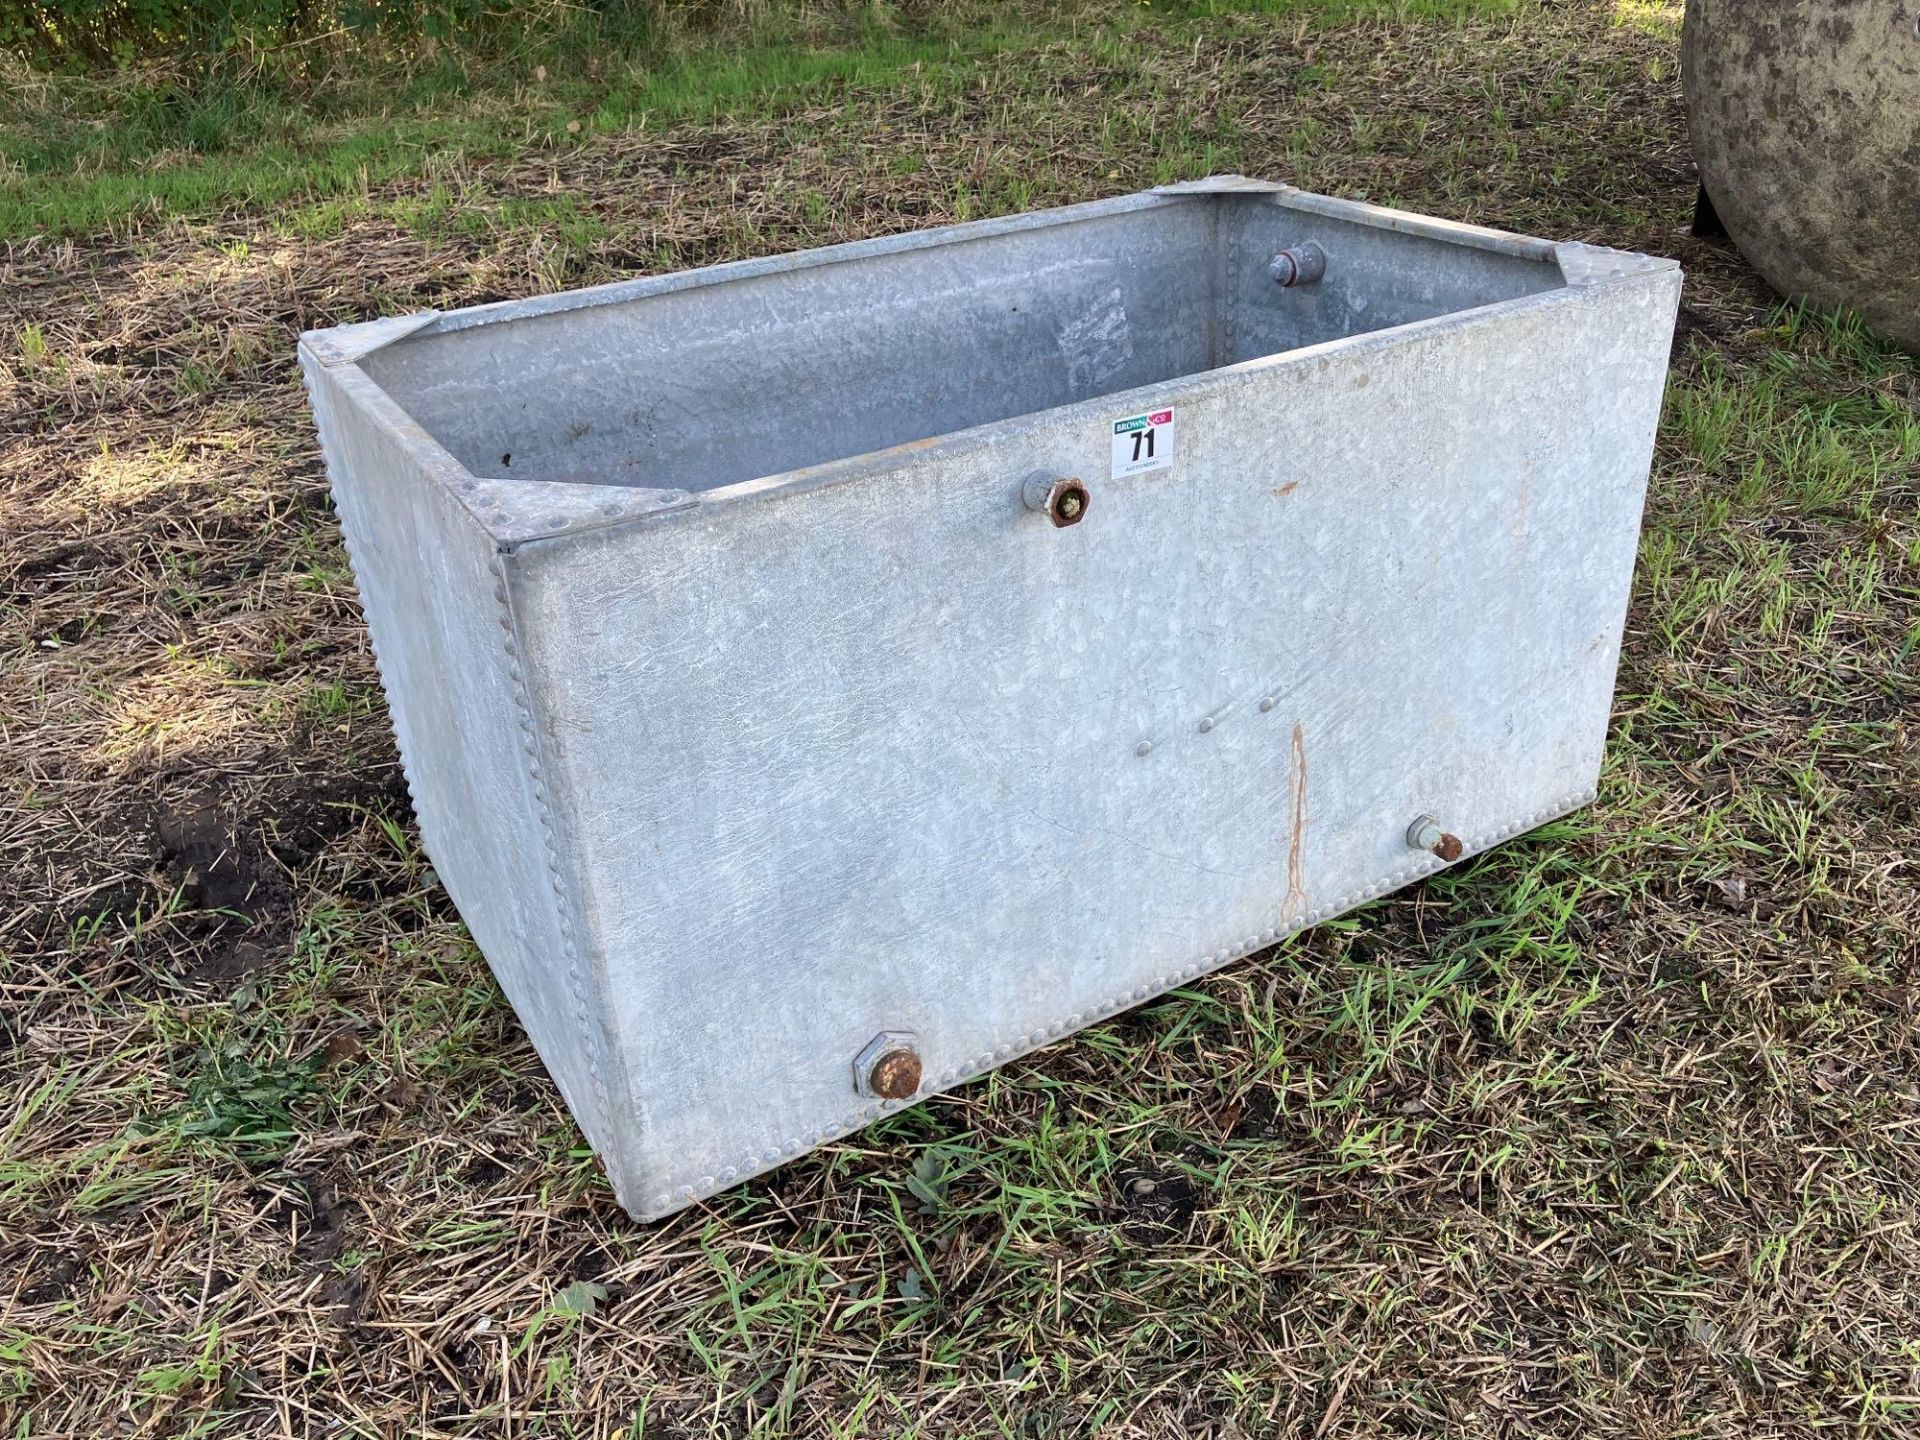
(1296, 878)
(1288, 488)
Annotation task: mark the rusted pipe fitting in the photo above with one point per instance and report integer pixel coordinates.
(1426, 834)
(888, 1068)
(1061, 498)
(1301, 265)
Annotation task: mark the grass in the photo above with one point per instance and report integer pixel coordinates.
(151, 147)
(1609, 1132)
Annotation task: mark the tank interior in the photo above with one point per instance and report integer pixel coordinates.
(713, 384)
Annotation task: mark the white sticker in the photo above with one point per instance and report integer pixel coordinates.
(1142, 442)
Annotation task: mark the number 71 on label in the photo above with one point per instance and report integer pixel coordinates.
(1143, 442)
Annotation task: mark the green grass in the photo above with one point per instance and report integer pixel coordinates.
(77, 157)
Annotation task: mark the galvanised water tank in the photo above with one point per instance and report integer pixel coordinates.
(823, 678)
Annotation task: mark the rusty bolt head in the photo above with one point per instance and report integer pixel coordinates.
(1061, 498)
(1425, 834)
(895, 1075)
(1067, 503)
(888, 1066)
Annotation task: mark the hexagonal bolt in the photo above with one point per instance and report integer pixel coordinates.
(888, 1067)
(1301, 265)
(1426, 834)
(1061, 498)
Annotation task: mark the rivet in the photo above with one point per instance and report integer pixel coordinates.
(1144, 748)
(1206, 726)
(1267, 703)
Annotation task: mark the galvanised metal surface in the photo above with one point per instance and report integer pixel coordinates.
(823, 678)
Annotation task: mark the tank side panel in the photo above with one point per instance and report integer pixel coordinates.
(898, 756)
(436, 597)
(1375, 278)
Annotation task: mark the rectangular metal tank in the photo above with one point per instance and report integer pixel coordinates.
(782, 757)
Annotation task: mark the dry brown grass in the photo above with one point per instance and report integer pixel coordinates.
(1613, 1133)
